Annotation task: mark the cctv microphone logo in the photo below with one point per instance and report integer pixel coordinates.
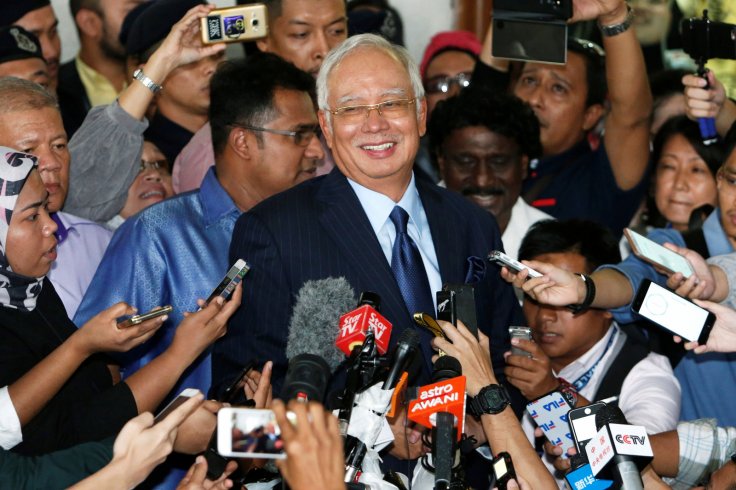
(629, 439)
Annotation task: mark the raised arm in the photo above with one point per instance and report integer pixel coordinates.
(106, 150)
(628, 122)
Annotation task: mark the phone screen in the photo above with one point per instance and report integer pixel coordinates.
(582, 423)
(671, 311)
(647, 249)
(249, 433)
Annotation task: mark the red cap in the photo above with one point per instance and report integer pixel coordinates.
(449, 40)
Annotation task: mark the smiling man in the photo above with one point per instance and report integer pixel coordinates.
(483, 144)
(370, 220)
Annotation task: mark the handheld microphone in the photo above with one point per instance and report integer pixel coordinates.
(306, 378)
(401, 357)
(356, 324)
(441, 407)
(627, 445)
(318, 307)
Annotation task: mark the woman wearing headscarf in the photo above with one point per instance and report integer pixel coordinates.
(62, 388)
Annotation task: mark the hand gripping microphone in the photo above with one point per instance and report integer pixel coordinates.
(627, 445)
(441, 407)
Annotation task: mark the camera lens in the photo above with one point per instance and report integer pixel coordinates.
(254, 22)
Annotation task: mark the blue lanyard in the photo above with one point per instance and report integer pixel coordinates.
(583, 380)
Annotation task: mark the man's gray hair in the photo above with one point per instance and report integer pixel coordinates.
(17, 95)
(366, 41)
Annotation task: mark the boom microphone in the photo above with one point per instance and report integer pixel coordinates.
(317, 310)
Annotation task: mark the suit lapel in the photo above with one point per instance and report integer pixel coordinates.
(342, 218)
(447, 240)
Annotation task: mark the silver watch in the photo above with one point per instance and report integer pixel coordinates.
(147, 82)
(616, 29)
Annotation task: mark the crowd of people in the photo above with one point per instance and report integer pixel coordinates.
(135, 174)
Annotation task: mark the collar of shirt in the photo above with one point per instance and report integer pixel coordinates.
(715, 237)
(540, 166)
(579, 366)
(216, 202)
(378, 207)
(98, 88)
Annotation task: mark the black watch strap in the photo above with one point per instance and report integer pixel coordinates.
(589, 295)
(491, 399)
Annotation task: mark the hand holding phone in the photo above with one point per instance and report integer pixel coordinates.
(674, 313)
(518, 332)
(138, 319)
(657, 255)
(231, 280)
(504, 260)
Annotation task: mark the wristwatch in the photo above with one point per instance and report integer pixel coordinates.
(616, 29)
(491, 399)
(147, 82)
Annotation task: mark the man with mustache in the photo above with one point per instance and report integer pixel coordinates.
(483, 143)
(37, 17)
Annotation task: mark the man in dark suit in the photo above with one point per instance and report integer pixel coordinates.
(372, 113)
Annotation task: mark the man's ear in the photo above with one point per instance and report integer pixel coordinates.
(241, 142)
(592, 115)
(325, 126)
(422, 116)
(89, 23)
(264, 44)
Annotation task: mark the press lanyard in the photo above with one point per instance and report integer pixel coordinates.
(583, 380)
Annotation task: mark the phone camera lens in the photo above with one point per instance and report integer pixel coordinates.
(254, 22)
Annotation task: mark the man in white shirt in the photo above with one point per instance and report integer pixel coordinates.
(483, 143)
(587, 352)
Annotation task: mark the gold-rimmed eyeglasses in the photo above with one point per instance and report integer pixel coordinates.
(390, 109)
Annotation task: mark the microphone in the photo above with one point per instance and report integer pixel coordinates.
(401, 357)
(306, 378)
(441, 407)
(627, 445)
(365, 318)
(318, 307)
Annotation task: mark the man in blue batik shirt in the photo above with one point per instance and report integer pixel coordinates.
(263, 128)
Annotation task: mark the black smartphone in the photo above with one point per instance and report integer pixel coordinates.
(503, 468)
(674, 313)
(232, 392)
(582, 424)
(465, 310)
(138, 319)
(446, 307)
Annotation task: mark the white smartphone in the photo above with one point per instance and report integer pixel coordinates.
(672, 312)
(502, 259)
(654, 253)
(249, 433)
(176, 402)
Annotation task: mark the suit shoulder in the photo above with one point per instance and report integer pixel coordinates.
(299, 198)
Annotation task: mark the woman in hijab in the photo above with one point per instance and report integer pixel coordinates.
(62, 388)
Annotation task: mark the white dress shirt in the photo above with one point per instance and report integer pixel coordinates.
(378, 207)
(650, 394)
(10, 431)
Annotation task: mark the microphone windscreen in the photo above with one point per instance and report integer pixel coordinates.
(446, 367)
(316, 318)
(609, 414)
(410, 338)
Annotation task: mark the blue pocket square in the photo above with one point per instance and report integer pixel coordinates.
(476, 270)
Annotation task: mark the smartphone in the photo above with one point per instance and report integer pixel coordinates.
(504, 260)
(464, 305)
(674, 313)
(550, 414)
(230, 281)
(582, 424)
(654, 253)
(249, 433)
(446, 307)
(236, 387)
(138, 319)
(503, 468)
(235, 24)
(520, 333)
(173, 404)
